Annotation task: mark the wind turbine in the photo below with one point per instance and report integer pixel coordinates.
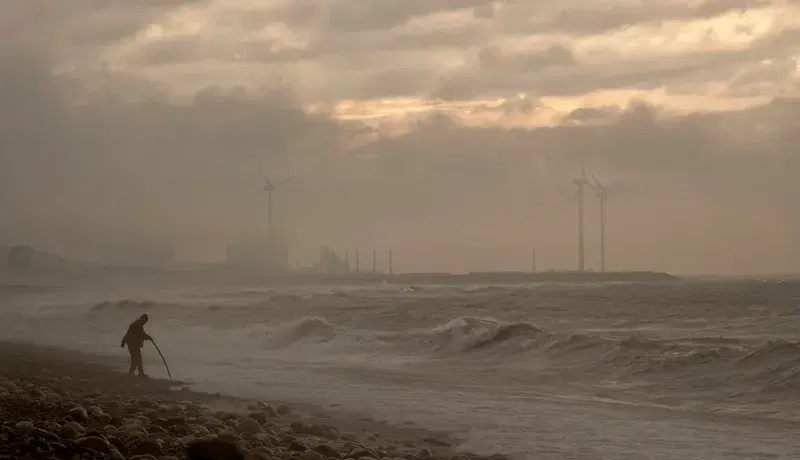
(580, 183)
(270, 187)
(600, 191)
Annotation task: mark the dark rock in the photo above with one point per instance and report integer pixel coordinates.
(359, 453)
(24, 425)
(176, 421)
(213, 449)
(249, 425)
(148, 446)
(79, 414)
(49, 435)
(327, 451)
(260, 417)
(119, 445)
(297, 446)
(70, 431)
(94, 443)
(162, 422)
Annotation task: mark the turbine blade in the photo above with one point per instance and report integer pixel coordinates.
(597, 185)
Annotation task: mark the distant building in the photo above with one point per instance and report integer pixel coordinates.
(258, 256)
(330, 262)
(140, 254)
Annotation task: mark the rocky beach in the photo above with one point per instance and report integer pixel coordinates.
(56, 403)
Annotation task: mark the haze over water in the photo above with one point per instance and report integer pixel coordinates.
(694, 369)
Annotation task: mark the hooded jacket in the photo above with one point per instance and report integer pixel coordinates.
(136, 335)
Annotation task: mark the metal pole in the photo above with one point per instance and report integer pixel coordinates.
(580, 228)
(603, 232)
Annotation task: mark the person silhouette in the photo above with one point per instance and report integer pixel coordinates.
(134, 339)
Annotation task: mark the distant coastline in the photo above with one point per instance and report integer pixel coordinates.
(47, 266)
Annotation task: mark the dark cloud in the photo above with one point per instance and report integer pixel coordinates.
(80, 22)
(356, 15)
(591, 19)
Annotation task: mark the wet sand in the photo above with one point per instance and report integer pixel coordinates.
(58, 403)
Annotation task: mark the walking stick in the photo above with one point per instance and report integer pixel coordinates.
(162, 358)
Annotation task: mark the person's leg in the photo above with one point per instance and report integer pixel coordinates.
(140, 365)
(133, 354)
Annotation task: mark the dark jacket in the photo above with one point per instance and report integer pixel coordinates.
(136, 335)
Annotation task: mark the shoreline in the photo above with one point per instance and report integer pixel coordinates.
(45, 391)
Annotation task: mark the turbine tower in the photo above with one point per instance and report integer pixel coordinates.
(274, 252)
(600, 191)
(269, 187)
(580, 183)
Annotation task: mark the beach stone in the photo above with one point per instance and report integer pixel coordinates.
(156, 429)
(327, 451)
(24, 425)
(213, 449)
(312, 455)
(49, 435)
(271, 412)
(283, 409)
(119, 445)
(162, 422)
(70, 430)
(260, 417)
(363, 453)
(249, 425)
(144, 457)
(115, 454)
(148, 447)
(79, 414)
(298, 446)
(176, 421)
(229, 436)
(424, 454)
(95, 443)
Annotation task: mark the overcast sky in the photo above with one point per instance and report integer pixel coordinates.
(448, 130)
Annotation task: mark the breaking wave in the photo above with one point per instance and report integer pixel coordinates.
(307, 328)
(467, 333)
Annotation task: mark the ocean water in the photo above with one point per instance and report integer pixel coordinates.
(693, 369)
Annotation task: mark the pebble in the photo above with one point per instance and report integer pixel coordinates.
(70, 430)
(79, 422)
(95, 443)
(283, 409)
(79, 414)
(249, 425)
(24, 425)
(148, 447)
